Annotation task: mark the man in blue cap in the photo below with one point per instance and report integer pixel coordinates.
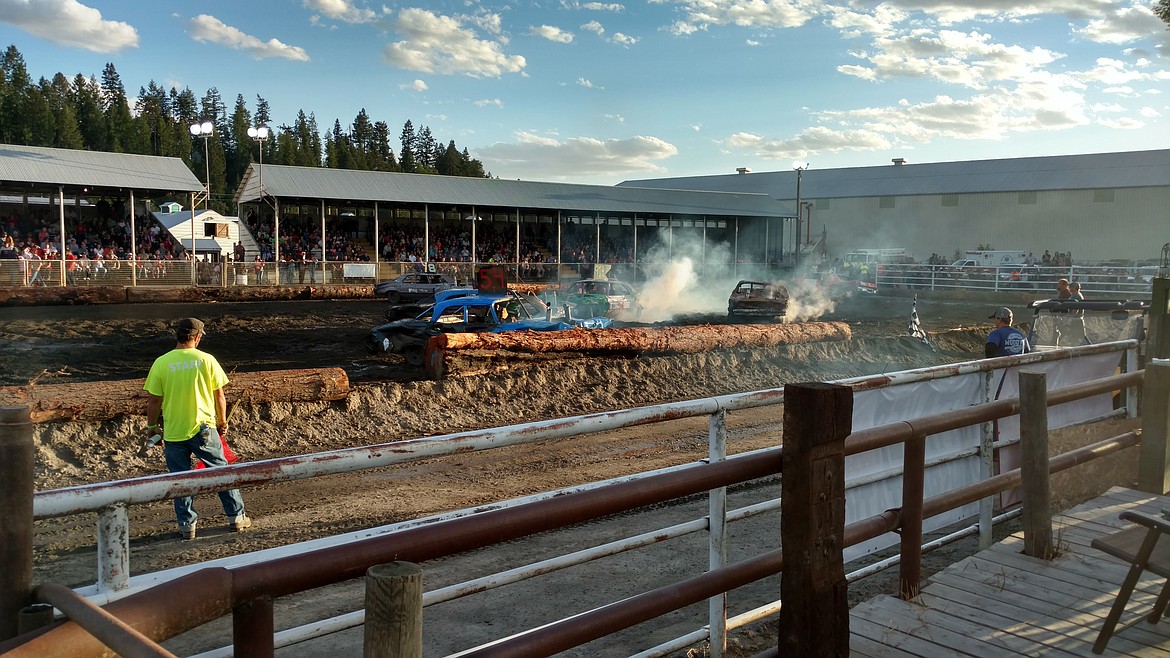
(1005, 340)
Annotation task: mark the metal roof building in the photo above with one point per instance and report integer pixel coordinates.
(1099, 206)
(47, 170)
(366, 187)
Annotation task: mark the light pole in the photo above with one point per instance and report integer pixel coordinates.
(204, 130)
(799, 166)
(260, 133)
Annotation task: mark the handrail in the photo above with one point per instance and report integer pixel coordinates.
(325, 566)
(587, 626)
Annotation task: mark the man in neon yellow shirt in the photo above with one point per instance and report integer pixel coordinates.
(186, 386)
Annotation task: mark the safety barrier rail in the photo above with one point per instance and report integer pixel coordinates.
(110, 499)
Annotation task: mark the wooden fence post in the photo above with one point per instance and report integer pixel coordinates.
(393, 611)
(1154, 463)
(16, 521)
(1034, 464)
(814, 620)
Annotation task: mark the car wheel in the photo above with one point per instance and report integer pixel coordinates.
(393, 297)
(415, 355)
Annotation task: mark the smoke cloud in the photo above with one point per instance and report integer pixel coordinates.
(684, 278)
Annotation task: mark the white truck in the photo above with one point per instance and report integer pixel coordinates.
(991, 258)
(871, 256)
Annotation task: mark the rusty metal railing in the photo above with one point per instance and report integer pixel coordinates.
(249, 589)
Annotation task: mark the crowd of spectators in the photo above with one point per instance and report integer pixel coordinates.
(97, 243)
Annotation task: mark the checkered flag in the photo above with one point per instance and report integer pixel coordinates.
(916, 330)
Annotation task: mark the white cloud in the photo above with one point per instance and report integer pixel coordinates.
(752, 42)
(968, 59)
(623, 39)
(1124, 123)
(552, 33)
(441, 44)
(700, 14)
(615, 117)
(1149, 112)
(489, 102)
(69, 23)
(417, 85)
(588, 84)
(854, 22)
(342, 10)
(955, 11)
(695, 127)
(1122, 25)
(535, 157)
(209, 29)
(594, 27)
(603, 6)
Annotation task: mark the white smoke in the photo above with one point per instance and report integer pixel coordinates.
(686, 278)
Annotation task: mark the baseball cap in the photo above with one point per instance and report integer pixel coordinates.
(192, 326)
(1002, 313)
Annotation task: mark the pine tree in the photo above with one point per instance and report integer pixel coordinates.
(116, 108)
(154, 117)
(383, 154)
(59, 94)
(450, 163)
(406, 157)
(16, 83)
(87, 106)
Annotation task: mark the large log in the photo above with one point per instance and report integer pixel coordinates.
(445, 350)
(100, 401)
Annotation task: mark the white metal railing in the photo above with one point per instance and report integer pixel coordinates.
(1128, 282)
(110, 500)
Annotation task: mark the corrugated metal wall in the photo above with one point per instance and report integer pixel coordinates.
(1133, 225)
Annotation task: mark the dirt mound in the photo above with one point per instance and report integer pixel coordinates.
(75, 453)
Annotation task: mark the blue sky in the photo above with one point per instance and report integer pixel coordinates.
(600, 92)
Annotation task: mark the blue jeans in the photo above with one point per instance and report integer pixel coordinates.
(210, 451)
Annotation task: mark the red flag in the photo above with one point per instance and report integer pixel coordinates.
(227, 453)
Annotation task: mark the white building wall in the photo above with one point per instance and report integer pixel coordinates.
(1133, 225)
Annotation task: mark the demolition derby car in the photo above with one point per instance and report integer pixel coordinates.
(757, 300)
(469, 314)
(405, 310)
(596, 298)
(413, 286)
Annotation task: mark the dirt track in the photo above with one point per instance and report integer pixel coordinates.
(389, 402)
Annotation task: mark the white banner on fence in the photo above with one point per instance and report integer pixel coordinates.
(359, 270)
(1058, 374)
(890, 405)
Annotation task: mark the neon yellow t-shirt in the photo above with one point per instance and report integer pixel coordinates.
(187, 380)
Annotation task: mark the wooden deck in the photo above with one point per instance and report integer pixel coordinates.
(1000, 602)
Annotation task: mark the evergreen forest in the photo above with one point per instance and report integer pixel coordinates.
(96, 114)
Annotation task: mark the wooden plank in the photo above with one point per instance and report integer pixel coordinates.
(1049, 615)
(893, 636)
(1022, 636)
(940, 627)
(1023, 621)
(1002, 602)
(864, 647)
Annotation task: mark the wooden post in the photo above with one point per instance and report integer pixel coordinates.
(1154, 464)
(814, 620)
(252, 627)
(393, 611)
(16, 521)
(1034, 464)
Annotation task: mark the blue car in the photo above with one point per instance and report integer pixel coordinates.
(467, 314)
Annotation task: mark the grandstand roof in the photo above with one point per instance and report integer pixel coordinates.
(288, 182)
(45, 169)
(1061, 172)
